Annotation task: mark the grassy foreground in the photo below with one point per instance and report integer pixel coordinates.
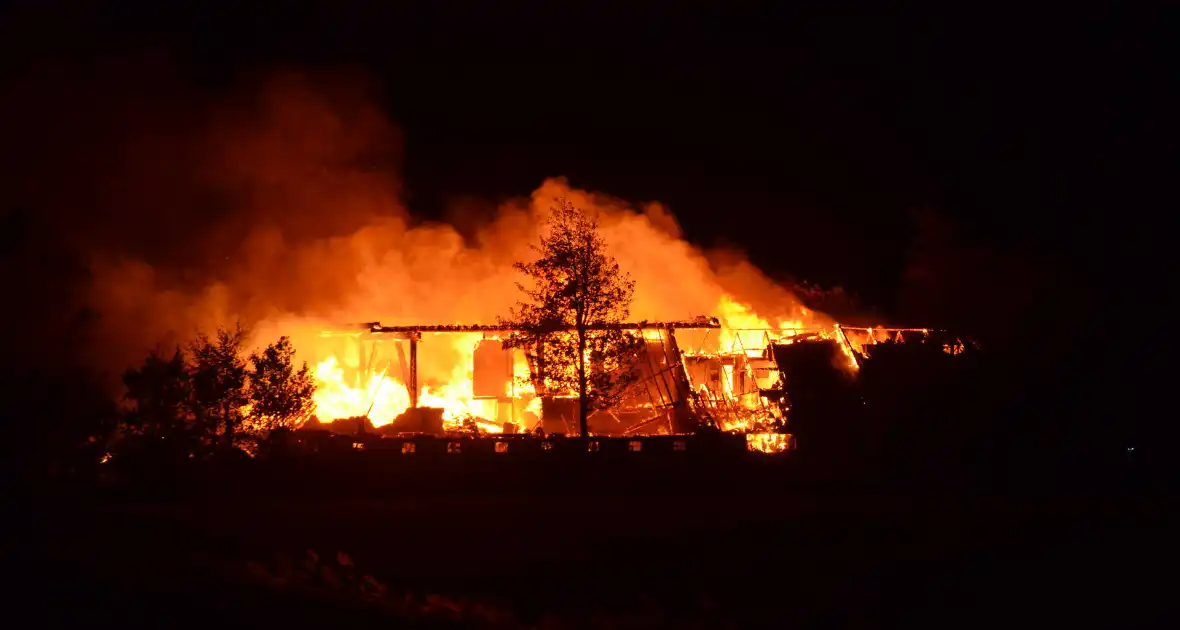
(714, 557)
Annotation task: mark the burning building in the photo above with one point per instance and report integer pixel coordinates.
(688, 373)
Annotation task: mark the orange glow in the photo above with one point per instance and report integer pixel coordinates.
(382, 394)
(768, 442)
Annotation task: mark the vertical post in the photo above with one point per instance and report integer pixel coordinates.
(510, 357)
(848, 346)
(681, 416)
(538, 374)
(413, 384)
(583, 403)
(368, 356)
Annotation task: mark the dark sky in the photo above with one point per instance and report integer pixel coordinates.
(823, 127)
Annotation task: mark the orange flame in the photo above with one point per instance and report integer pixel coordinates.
(383, 395)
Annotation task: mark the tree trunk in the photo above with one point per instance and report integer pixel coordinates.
(583, 403)
(229, 425)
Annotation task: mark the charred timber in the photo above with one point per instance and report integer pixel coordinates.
(709, 323)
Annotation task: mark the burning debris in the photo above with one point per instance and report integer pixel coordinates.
(768, 442)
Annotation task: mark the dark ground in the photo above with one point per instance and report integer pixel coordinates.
(764, 553)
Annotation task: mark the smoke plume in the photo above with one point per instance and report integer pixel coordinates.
(277, 203)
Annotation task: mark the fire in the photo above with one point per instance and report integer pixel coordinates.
(743, 331)
(456, 394)
(768, 442)
(372, 381)
(381, 398)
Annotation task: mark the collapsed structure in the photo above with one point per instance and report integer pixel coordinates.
(689, 374)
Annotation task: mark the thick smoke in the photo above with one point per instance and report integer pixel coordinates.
(278, 204)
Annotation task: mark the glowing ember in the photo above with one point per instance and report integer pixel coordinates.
(768, 442)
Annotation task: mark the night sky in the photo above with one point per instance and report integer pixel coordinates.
(826, 129)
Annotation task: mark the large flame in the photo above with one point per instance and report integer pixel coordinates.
(384, 395)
